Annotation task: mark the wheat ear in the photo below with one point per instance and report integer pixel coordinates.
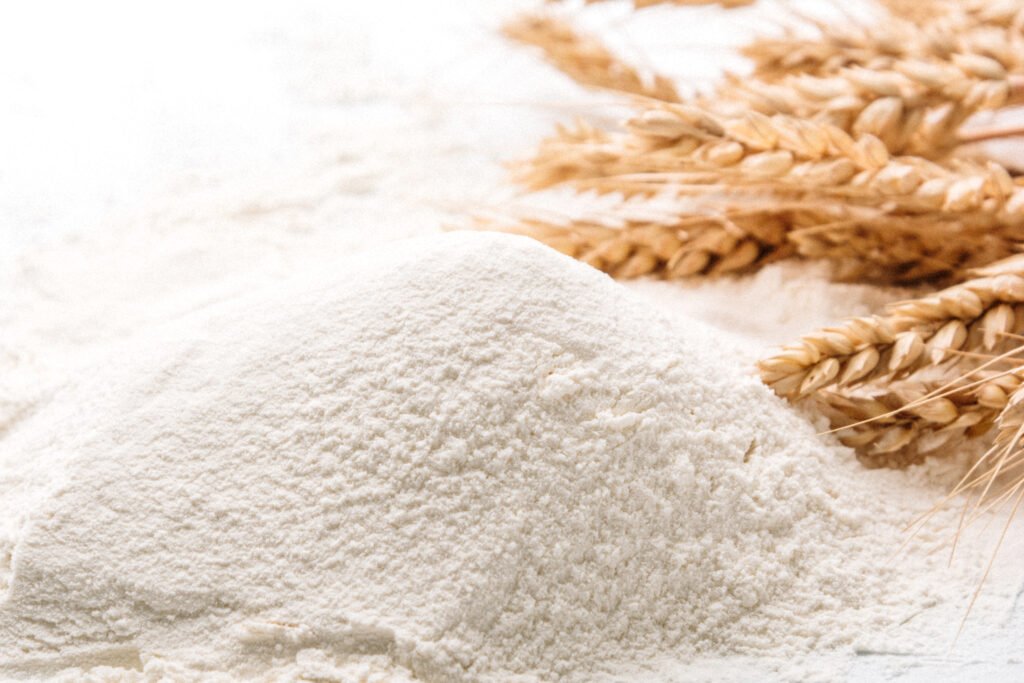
(697, 245)
(884, 218)
(687, 144)
(584, 58)
(882, 45)
(920, 12)
(914, 106)
(895, 424)
(975, 316)
(999, 13)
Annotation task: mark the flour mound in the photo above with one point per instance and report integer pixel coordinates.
(468, 458)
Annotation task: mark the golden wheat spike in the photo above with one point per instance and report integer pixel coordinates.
(895, 424)
(584, 58)
(686, 247)
(881, 45)
(973, 316)
(919, 11)
(915, 106)
(669, 143)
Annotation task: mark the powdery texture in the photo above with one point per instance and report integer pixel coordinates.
(469, 457)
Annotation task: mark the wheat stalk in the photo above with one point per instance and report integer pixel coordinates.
(584, 58)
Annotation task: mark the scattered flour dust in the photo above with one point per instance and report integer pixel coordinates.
(467, 457)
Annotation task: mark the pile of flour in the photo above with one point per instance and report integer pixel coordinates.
(466, 458)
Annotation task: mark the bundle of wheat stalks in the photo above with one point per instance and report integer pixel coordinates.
(852, 146)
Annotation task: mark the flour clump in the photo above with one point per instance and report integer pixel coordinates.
(465, 458)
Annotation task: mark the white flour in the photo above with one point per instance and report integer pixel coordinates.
(469, 457)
